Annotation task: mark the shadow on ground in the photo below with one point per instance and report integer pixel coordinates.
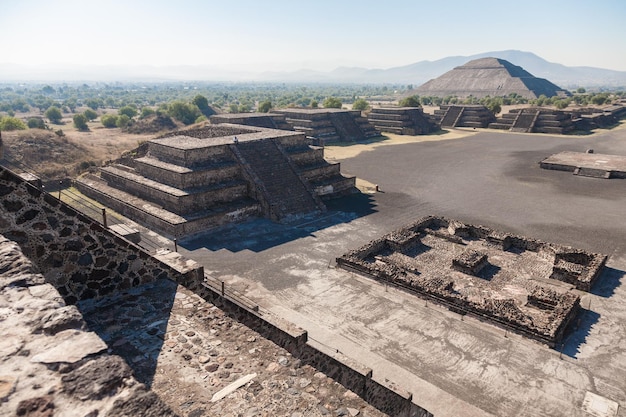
(262, 234)
(607, 282)
(581, 328)
(133, 324)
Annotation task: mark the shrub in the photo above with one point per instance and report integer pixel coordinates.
(128, 111)
(90, 114)
(332, 103)
(412, 101)
(80, 121)
(54, 115)
(36, 123)
(122, 121)
(360, 104)
(109, 120)
(146, 112)
(11, 123)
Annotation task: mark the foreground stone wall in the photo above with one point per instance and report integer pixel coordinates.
(50, 364)
(76, 254)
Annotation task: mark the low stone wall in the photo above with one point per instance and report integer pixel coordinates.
(352, 375)
(200, 177)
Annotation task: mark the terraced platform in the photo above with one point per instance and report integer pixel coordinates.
(587, 164)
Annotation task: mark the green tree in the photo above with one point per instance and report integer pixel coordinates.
(245, 108)
(265, 106)
(332, 103)
(146, 112)
(561, 104)
(11, 123)
(186, 113)
(122, 121)
(54, 115)
(360, 104)
(314, 104)
(90, 115)
(36, 123)
(494, 105)
(80, 121)
(129, 111)
(203, 104)
(233, 108)
(93, 103)
(581, 90)
(109, 120)
(411, 101)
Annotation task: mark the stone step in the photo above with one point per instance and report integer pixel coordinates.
(167, 222)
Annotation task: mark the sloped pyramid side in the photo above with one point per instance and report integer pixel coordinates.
(488, 77)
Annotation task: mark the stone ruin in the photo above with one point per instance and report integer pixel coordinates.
(463, 115)
(329, 125)
(267, 120)
(517, 283)
(587, 164)
(401, 120)
(535, 120)
(194, 180)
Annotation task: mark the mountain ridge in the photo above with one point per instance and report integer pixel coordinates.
(416, 73)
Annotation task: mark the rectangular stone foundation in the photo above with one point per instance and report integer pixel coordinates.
(517, 283)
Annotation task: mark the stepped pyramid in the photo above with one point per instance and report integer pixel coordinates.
(492, 77)
(194, 180)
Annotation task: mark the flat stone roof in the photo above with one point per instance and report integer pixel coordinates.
(314, 111)
(244, 115)
(588, 160)
(256, 133)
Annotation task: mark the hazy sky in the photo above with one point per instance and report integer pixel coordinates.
(263, 35)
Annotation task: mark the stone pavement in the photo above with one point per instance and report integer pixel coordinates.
(188, 350)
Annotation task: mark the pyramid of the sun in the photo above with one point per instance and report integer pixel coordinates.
(489, 77)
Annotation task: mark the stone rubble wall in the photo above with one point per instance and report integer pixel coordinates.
(76, 254)
(51, 365)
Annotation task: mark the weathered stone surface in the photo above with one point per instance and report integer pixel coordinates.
(36, 407)
(7, 385)
(62, 318)
(70, 347)
(140, 403)
(97, 378)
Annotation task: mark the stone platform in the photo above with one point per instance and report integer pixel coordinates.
(194, 180)
(520, 284)
(587, 164)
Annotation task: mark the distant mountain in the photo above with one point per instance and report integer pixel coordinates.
(423, 71)
(416, 74)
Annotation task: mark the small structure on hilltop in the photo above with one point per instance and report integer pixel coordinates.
(329, 125)
(517, 283)
(401, 120)
(194, 180)
(492, 77)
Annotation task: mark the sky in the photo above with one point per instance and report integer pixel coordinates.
(277, 35)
